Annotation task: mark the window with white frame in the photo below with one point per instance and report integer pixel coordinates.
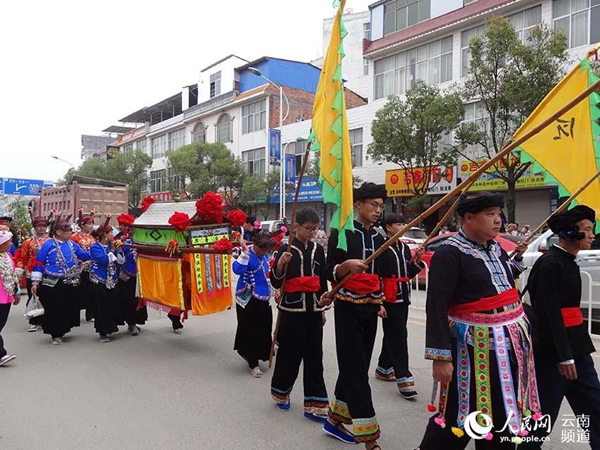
(158, 180)
(199, 133)
(215, 84)
(299, 151)
(141, 145)
(400, 14)
(365, 66)
(445, 143)
(175, 181)
(127, 148)
(525, 21)
(224, 128)
(356, 141)
(476, 114)
(159, 146)
(253, 161)
(465, 38)
(254, 117)
(430, 62)
(579, 20)
(176, 139)
(367, 30)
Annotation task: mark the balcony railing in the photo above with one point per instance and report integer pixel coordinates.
(209, 105)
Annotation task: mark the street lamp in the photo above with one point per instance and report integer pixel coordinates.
(282, 177)
(258, 73)
(63, 160)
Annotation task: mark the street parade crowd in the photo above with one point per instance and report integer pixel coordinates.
(509, 363)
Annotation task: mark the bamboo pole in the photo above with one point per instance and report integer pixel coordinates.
(446, 216)
(472, 178)
(442, 221)
(289, 248)
(562, 207)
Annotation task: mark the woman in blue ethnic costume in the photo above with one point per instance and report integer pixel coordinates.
(254, 314)
(126, 286)
(55, 279)
(104, 276)
(477, 334)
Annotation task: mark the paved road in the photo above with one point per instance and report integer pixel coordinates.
(159, 390)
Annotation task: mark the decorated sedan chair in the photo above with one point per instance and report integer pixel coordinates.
(184, 254)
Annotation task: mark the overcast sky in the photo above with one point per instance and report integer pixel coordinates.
(76, 67)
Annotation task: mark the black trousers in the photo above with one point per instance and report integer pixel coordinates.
(34, 320)
(583, 395)
(355, 332)
(394, 351)
(4, 310)
(300, 339)
(253, 334)
(175, 321)
(61, 309)
(107, 309)
(86, 295)
(129, 303)
(437, 437)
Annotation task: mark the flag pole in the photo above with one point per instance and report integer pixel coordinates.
(446, 216)
(471, 179)
(289, 247)
(562, 207)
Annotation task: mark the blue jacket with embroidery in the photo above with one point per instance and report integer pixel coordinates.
(102, 263)
(129, 268)
(253, 272)
(48, 261)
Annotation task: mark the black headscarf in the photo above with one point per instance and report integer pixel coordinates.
(477, 202)
(369, 190)
(564, 224)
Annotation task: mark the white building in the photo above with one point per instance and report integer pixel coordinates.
(428, 39)
(409, 39)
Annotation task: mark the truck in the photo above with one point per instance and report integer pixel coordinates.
(106, 197)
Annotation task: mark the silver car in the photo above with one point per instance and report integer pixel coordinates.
(589, 262)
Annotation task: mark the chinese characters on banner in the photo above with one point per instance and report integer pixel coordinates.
(274, 147)
(491, 181)
(401, 183)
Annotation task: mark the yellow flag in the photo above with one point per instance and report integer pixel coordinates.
(566, 149)
(330, 134)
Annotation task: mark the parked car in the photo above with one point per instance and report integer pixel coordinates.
(408, 241)
(506, 241)
(271, 225)
(414, 237)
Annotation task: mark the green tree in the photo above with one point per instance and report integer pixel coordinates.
(207, 167)
(19, 211)
(129, 168)
(252, 191)
(409, 133)
(508, 79)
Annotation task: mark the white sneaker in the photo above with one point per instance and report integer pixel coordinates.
(6, 358)
(104, 339)
(57, 341)
(33, 328)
